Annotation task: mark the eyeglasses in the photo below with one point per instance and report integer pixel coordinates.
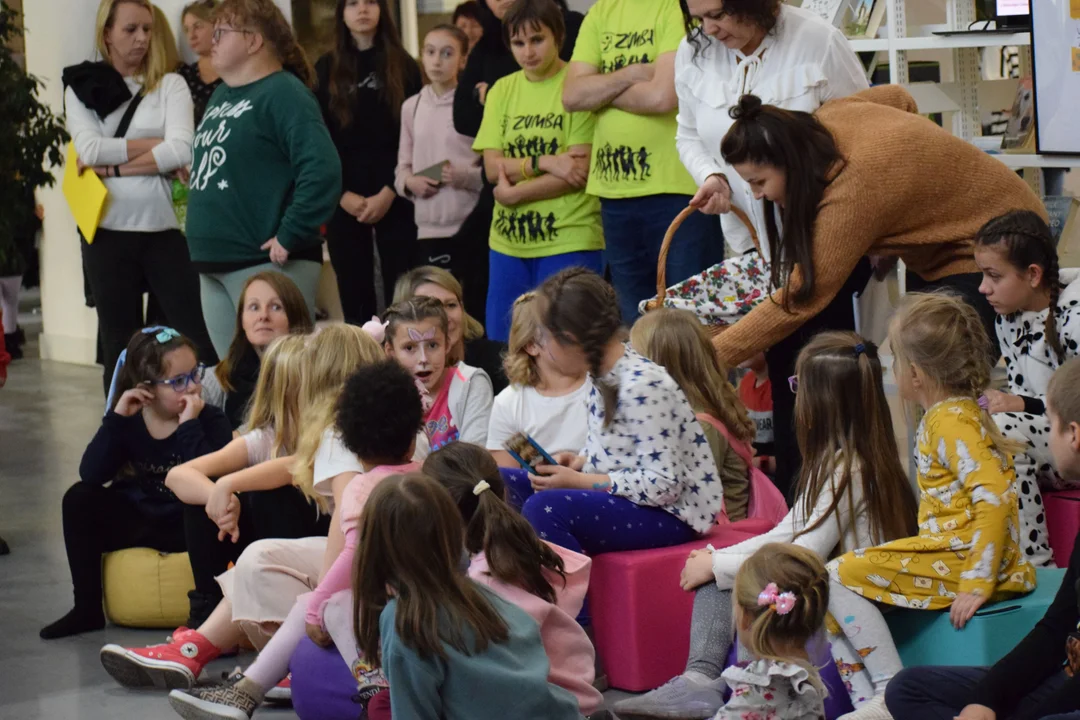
(219, 31)
(182, 382)
(793, 383)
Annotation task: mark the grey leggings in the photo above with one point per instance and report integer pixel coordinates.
(711, 632)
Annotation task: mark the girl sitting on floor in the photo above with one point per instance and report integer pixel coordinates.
(1038, 328)
(781, 597)
(155, 421)
(676, 340)
(458, 396)
(852, 492)
(646, 477)
(541, 402)
(450, 647)
(967, 550)
(378, 414)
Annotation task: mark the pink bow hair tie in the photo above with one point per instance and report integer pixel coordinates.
(781, 602)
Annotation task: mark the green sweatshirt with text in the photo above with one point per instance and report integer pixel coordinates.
(264, 166)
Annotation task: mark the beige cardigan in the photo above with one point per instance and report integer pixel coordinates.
(906, 188)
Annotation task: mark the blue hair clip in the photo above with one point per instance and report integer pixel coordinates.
(859, 349)
(161, 333)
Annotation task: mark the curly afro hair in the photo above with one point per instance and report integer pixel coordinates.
(379, 412)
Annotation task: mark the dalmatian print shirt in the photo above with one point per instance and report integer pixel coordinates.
(1029, 358)
(654, 451)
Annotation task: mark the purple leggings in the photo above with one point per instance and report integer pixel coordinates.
(593, 522)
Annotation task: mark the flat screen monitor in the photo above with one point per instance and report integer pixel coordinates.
(1013, 13)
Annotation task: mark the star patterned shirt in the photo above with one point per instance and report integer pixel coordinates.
(654, 450)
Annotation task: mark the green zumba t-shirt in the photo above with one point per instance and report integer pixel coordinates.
(525, 119)
(633, 155)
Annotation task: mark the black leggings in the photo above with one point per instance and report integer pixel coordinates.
(281, 513)
(351, 246)
(98, 520)
(120, 266)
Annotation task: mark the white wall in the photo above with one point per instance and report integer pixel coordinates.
(60, 33)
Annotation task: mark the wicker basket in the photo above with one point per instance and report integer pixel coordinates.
(661, 264)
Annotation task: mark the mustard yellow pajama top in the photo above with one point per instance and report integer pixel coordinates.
(969, 535)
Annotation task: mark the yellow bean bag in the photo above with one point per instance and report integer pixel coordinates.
(145, 588)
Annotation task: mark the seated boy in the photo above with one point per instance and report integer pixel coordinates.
(1038, 679)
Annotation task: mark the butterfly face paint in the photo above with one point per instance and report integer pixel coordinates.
(421, 349)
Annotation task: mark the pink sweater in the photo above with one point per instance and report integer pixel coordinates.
(441, 215)
(339, 576)
(569, 650)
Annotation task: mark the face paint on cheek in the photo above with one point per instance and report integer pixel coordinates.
(421, 338)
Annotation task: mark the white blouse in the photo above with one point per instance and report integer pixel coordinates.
(801, 64)
(137, 203)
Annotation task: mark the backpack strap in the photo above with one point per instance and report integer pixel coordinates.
(129, 113)
(741, 448)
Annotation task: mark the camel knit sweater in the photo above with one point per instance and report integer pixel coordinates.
(905, 188)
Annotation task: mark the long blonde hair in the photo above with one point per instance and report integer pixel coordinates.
(264, 17)
(333, 354)
(156, 63)
(944, 337)
(773, 635)
(165, 39)
(525, 328)
(406, 286)
(276, 401)
(677, 341)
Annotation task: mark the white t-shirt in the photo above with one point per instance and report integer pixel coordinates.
(556, 423)
(260, 445)
(332, 459)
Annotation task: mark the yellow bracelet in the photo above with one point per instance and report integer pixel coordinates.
(524, 168)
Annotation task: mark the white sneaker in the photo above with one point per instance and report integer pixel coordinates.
(681, 698)
(872, 710)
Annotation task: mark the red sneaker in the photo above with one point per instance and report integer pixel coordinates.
(282, 692)
(169, 666)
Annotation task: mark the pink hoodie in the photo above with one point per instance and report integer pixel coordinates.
(569, 650)
(441, 215)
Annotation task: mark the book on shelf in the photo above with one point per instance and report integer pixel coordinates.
(831, 11)
(1020, 130)
(864, 18)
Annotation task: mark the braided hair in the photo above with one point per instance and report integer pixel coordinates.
(1024, 239)
(579, 308)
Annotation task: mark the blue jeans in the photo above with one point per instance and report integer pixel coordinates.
(940, 693)
(509, 277)
(634, 230)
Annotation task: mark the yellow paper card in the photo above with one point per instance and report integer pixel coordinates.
(1076, 59)
(85, 194)
(1074, 9)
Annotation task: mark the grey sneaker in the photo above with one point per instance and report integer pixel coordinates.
(225, 702)
(680, 698)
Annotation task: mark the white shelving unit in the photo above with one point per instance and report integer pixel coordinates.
(964, 91)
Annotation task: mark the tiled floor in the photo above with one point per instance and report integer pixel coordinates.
(48, 412)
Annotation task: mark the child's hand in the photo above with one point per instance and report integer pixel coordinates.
(217, 505)
(697, 571)
(134, 400)
(191, 406)
(569, 459)
(571, 167)
(976, 712)
(455, 175)
(319, 636)
(376, 207)
(505, 192)
(229, 524)
(964, 607)
(481, 92)
(352, 203)
(549, 477)
(423, 187)
(1003, 402)
(279, 254)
